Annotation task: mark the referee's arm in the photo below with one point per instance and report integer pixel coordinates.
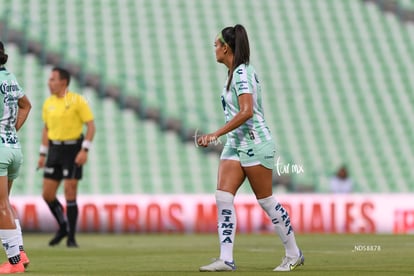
(82, 157)
(43, 149)
(90, 131)
(45, 139)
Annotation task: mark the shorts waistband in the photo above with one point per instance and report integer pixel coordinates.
(66, 142)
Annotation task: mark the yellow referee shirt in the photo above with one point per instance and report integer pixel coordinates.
(65, 116)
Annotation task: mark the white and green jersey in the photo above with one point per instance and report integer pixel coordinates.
(10, 93)
(254, 130)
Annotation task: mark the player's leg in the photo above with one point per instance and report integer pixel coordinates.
(259, 172)
(23, 256)
(8, 232)
(230, 177)
(50, 187)
(12, 173)
(260, 179)
(258, 163)
(71, 187)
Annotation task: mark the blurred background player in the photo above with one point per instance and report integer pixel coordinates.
(249, 152)
(340, 183)
(14, 109)
(64, 114)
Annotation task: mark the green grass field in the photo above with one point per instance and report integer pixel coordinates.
(175, 254)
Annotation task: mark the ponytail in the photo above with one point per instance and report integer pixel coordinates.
(3, 55)
(3, 58)
(237, 39)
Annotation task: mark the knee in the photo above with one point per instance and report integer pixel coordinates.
(50, 187)
(48, 196)
(70, 193)
(5, 207)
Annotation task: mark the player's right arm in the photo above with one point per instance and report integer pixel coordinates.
(24, 109)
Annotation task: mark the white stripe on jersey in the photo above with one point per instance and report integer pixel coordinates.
(254, 130)
(10, 93)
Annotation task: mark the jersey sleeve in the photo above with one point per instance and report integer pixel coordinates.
(242, 80)
(85, 112)
(20, 93)
(44, 112)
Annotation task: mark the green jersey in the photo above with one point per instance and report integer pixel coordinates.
(254, 130)
(10, 93)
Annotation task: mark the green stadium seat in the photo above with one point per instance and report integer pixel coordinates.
(336, 77)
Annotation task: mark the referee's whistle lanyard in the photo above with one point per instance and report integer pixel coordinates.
(67, 103)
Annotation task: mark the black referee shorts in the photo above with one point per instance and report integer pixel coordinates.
(60, 163)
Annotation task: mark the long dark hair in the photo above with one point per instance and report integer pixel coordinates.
(236, 38)
(3, 55)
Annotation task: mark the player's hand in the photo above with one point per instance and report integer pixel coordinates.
(81, 157)
(205, 140)
(41, 161)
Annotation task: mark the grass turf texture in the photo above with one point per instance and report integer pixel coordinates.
(174, 254)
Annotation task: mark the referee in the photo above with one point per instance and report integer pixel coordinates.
(64, 150)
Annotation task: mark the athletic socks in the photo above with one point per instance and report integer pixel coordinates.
(72, 215)
(280, 218)
(226, 224)
(20, 235)
(10, 241)
(57, 211)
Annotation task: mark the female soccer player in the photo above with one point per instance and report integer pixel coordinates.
(14, 109)
(249, 152)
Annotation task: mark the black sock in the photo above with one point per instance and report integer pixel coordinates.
(72, 214)
(57, 211)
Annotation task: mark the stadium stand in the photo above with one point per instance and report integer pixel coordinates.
(129, 156)
(406, 4)
(337, 79)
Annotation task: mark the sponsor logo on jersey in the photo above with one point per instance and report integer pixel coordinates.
(5, 87)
